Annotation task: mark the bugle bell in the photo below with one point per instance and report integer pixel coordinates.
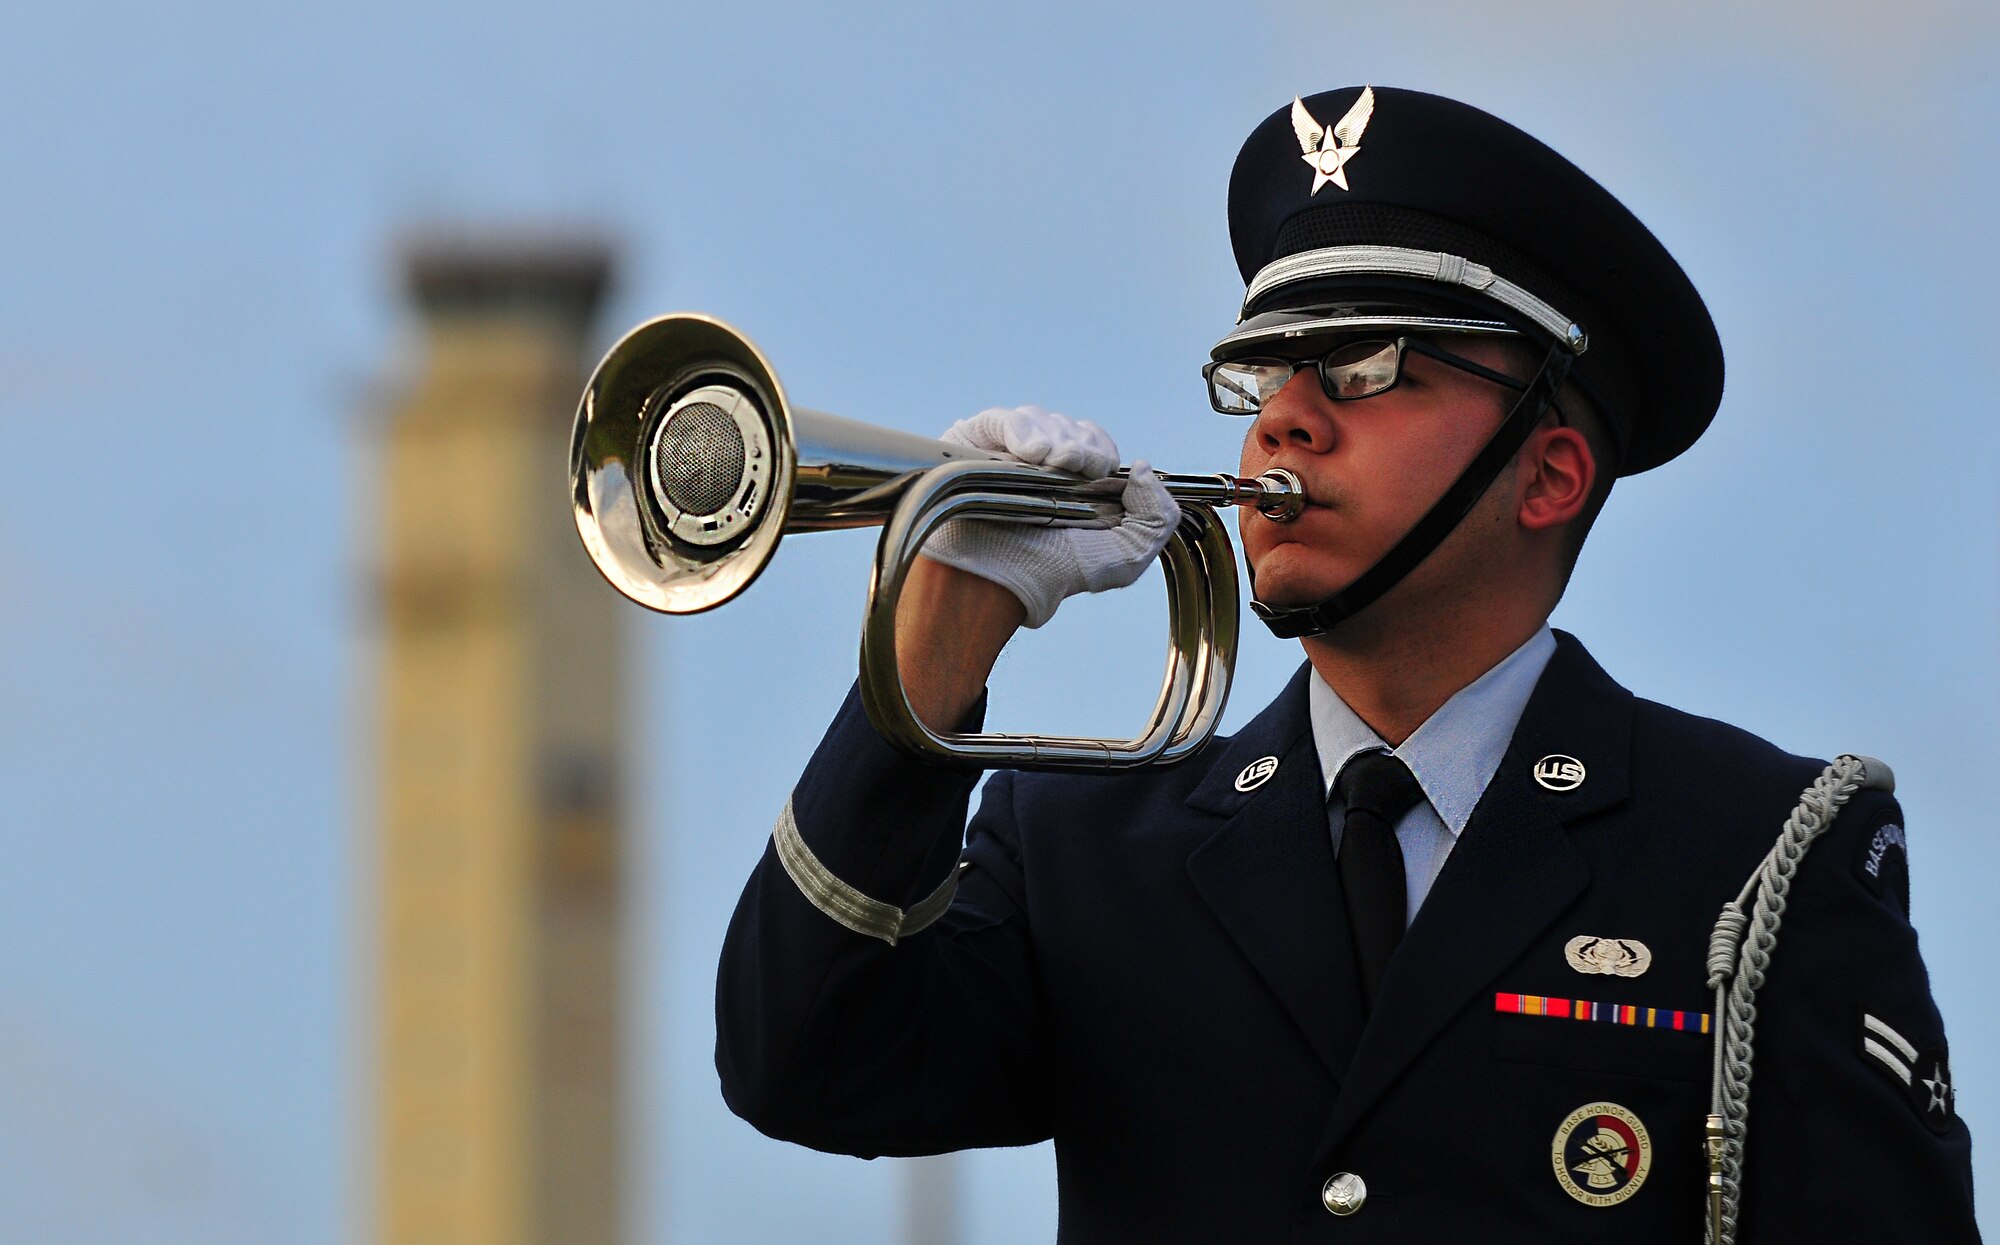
(688, 464)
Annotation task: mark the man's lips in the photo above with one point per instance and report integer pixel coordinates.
(1316, 499)
(1318, 494)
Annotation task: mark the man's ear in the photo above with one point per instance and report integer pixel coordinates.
(1559, 471)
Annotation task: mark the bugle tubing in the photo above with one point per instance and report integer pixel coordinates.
(688, 465)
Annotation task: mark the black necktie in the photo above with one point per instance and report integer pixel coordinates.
(1377, 789)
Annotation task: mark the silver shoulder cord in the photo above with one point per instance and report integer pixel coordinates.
(1736, 968)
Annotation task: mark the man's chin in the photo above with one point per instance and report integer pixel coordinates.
(1282, 583)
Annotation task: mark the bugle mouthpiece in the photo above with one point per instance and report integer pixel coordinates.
(1283, 495)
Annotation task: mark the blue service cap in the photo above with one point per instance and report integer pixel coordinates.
(1374, 208)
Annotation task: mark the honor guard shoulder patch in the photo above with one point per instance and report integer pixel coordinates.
(1924, 1076)
(1885, 861)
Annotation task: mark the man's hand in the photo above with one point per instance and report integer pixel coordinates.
(1042, 565)
(978, 581)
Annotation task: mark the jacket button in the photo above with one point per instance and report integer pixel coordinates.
(1343, 1193)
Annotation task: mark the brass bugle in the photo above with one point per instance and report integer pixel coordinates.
(688, 465)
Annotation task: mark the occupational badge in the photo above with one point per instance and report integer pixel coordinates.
(1601, 1154)
(1610, 957)
(1329, 150)
(1256, 774)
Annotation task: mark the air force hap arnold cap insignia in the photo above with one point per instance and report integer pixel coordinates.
(1374, 208)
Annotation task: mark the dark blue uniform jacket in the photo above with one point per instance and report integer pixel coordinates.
(1154, 969)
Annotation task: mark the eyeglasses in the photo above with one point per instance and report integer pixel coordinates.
(1351, 370)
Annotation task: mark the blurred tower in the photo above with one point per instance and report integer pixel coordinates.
(498, 858)
(930, 1200)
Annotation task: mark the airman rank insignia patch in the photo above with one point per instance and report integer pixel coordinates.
(1601, 1154)
(1924, 1076)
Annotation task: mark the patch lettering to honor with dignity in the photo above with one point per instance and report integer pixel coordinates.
(1601, 1154)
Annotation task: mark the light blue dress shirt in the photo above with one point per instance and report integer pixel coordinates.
(1453, 755)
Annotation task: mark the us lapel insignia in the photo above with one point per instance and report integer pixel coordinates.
(1609, 957)
(1559, 773)
(1329, 150)
(1257, 773)
(1601, 1154)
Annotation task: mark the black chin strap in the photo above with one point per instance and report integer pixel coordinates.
(1444, 515)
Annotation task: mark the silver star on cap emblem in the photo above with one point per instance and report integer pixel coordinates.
(1329, 150)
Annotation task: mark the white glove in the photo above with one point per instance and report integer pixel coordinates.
(1042, 565)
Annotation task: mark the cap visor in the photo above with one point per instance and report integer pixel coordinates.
(1272, 328)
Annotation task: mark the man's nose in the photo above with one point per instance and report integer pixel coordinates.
(1296, 417)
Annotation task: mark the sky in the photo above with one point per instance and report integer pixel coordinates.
(918, 211)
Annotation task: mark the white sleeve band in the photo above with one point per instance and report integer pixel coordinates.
(849, 906)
